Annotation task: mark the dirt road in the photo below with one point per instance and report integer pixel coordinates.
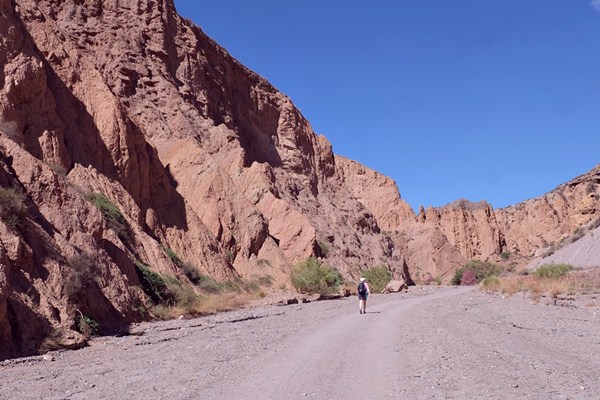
(433, 343)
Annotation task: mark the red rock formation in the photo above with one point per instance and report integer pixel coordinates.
(199, 154)
(537, 223)
(470, 227)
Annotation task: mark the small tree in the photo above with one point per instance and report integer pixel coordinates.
(377, 277)
(311, 276)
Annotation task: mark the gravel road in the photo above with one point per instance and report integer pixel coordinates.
(430, 343)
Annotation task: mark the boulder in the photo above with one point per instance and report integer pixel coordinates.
(395, 287)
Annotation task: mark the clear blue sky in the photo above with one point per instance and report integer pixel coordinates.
(477, 99)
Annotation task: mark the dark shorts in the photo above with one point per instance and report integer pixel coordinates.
(363, 296)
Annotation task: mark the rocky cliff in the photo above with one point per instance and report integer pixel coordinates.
(129, 139)
(192, 154)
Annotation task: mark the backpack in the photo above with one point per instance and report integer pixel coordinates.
(362, 289)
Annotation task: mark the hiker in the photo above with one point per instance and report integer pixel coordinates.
(363, 293)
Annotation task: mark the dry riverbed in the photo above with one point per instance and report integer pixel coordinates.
(429, 343)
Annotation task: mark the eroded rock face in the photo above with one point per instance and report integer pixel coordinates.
(470, 227)
(536, 224)
(199, 154)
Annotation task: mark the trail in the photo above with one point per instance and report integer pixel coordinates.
(352, 357)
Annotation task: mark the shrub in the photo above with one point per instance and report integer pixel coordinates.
(79, 275)
(209, 285)
(468, 278)
(311, 276)
(191, 272)
(324, 248)
(153, 284)
(553, 270)
(377, 277)
(505, 255)
(12, 207)
(491, 283)
(87, 325)
(265, 280)
(457, 276)
(112, 215)
(481, 270)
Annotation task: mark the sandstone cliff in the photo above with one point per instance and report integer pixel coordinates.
(202, 158)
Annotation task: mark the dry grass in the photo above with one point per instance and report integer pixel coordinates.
(576, 283)
(204, 305)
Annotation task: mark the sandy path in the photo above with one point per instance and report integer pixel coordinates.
(434, 343)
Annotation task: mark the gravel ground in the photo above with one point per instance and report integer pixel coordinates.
(430, 343)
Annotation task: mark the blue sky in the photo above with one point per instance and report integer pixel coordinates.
(483, 100)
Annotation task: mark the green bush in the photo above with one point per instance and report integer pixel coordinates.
(87, 325)
(12, 207)
(311, 276)
(553, 270)
(377, 278)
(112, 215)
(457, 276)
(154, 285)
(505, 255)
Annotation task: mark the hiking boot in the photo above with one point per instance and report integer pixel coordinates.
(360, 311)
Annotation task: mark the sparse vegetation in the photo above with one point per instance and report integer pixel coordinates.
(87, 326)
(79, 275)
(505, 255)
(265, 280)
(553, 270)
(12, 207)
(58, 169)
(491, 283)
(479, 269)
(112, 215)
(324, 248)
(552, 282)
(153, 284)
(191, 272)
(172, 298)
(173, 256)
(261, 262)
(311, 276)
(209, 285)
(377, 277)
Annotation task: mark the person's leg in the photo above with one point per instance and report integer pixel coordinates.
(365, 304)
(361, 303)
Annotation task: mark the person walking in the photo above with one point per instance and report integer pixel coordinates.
(363, 293)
